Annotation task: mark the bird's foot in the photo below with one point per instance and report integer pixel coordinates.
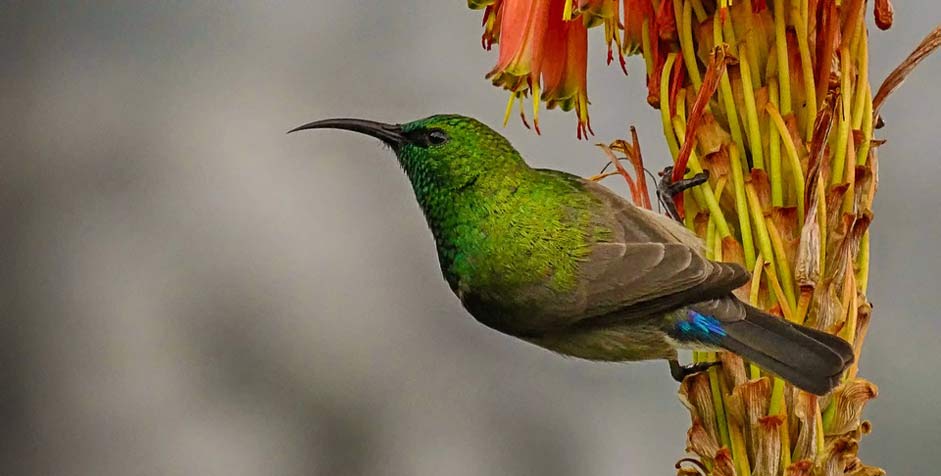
(667, 188)
(680, 372)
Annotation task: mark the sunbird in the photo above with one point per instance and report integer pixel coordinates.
(568, 265)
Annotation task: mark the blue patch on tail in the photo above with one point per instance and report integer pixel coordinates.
(699, 327)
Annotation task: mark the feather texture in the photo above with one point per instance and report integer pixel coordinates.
(568, 265)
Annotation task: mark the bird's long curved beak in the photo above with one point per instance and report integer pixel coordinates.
(389, 133)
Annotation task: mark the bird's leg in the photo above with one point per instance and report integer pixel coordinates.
(680, 372)
(667, 188)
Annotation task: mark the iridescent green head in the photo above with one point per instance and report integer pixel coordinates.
(443, 150)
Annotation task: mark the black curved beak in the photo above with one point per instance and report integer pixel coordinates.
(389, 133)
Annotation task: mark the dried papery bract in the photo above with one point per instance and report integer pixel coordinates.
(772, 98)
(800, 468)
(689, 471)
(696, 395)
(895, 79)
(724, 464)
(748, 402)
(847, 402)
(805, 412)
(768, 445)
(701, 443)
(733, 367)
(837, 453)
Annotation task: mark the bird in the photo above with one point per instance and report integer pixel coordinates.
(566, 264)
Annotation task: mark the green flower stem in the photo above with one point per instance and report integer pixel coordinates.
(722, 422)
(752, 48)
(859, 108)
(738, 450)
(787, 280)
(821, 437)
(754, 372)
(839, 153)
(728, 32)
(810, 90)
(777, 391)
(755, 286)
(803, 304)
(711, 239)
(863, 153)
(716, 250)
(683, 13)
(862, 280)
(777, 404)
(665, 106)
(774, 147)
(645, 44)
(828, 415)
(849, 176)
(741, 207)
(753, 205)
(796, 170)
(778, 293)
(726, 97)
(751, 113)
(780, 44)
(852, 24)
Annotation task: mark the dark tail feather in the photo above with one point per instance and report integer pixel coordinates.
(810, 359)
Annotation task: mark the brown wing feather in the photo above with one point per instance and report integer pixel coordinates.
(648, 264)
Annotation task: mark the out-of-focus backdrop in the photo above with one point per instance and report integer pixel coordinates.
(187, 290)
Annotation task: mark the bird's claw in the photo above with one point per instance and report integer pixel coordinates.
(680, 372)
(667, 188)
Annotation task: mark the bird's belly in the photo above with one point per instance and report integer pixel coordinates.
(615, 343)
(518, 310)
(627, 340)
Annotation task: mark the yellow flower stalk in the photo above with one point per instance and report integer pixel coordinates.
(773, 99)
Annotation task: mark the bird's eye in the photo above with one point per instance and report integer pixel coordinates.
(437, 137)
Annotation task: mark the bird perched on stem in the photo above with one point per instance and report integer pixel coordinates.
(568, 265)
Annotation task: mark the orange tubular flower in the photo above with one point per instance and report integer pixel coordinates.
(604, 12)
(540, 49)
(491, 21)
(635, 14)
(522, 42)
(565, 68)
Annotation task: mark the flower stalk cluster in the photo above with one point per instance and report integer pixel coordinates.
(772, 98)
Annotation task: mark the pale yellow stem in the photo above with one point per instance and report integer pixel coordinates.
(774, 147)
(839, 153)
(751, 113)
(784, 267)
(807, 68)
(665, 106)
(741, 206)
(684, 26)
(725, 95)
(780, 44)
(796, 170)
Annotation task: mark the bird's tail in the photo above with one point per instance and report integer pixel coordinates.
(810, 359)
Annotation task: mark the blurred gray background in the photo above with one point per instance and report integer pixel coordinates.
(187, 290)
